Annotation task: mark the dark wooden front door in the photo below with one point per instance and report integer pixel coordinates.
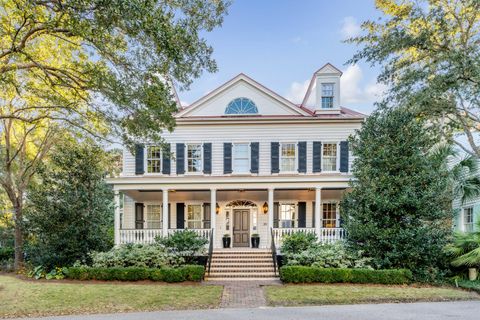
(241, 227)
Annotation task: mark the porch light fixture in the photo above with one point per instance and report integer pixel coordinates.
(265, 207)
(217, 208)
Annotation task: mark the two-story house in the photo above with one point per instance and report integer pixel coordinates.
(243, 160)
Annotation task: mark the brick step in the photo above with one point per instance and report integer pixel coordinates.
(243, 260)
(242, 252)
(241, 275)
(240, 265)
(242, 257)
(241, 269)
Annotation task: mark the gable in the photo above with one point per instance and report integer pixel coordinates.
(243, 94)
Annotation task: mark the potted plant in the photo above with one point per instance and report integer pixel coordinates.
(255, 240)
(226, 240)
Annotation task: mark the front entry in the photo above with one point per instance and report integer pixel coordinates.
(241, 227)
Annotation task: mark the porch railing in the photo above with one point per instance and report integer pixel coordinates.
(146, 236)
(204, 233)
(327, 235)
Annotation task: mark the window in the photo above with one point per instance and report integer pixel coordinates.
(327, 95)
(154, 216)
(241, 106)
(287, 215)
(468, 219)
(287, 157)
(329, 215)
(154, 159)
(329, 157)
(194, 158)
(241, 159)
(194, 216)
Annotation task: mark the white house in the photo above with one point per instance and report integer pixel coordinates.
(243, 160)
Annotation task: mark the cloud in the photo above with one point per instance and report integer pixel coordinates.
(353, 91)
(350, 27)
(297, 91)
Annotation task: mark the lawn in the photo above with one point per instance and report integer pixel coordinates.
(297, 295)
(35, 298)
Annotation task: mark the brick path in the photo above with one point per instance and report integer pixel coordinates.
(243, 294)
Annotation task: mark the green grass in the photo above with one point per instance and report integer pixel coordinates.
(20, 298)
(297, 295)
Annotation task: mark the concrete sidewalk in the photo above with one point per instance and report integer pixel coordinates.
(465, 310)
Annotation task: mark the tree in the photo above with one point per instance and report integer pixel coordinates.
(430, 57)
(399, 209)
(101, 68)
(70, 212)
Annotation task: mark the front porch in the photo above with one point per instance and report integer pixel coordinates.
(143, 215)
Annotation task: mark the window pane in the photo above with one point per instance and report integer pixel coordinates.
(154, 216)
(287, 157)
(329, 161)
(241, 160)
(194, 158)
(194, 216)
(154, 159)
(327, 89)
(287, 216)
(329, 215)
(468, 219)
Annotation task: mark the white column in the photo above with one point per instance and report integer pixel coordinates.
(116, 222)
(318, 219)
(213, 212)
(164, 212)
(270, 211)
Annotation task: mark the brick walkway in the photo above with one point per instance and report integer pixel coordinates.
(243, 294)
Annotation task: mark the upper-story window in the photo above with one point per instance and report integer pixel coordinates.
(287, 157)
(468, 219)
(154, 159)
(241, 106)
(194, 158)
(327, 95)
(329, 157)
(241, 158)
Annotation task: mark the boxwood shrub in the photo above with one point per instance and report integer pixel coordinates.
(302, 274)
(180, 274)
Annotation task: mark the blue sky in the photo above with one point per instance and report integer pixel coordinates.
(281, 43)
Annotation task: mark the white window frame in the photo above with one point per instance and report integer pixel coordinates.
(322, 158)
(187, 220)
(146, 159)
(328, 96)
(467, 227)
(201, 158)
(337, 214)
(146, 214)
(295, 164)
(234, 171)
(293, 221)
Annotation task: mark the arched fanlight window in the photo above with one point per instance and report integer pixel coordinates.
(241, 106)
(241, 203)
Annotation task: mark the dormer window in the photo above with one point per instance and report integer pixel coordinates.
(241, 106)
(327, 95)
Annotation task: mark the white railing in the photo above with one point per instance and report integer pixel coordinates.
(327, 235)
(139, 235)
(204, 233)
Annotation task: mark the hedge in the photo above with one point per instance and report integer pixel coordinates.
(184, 273)
(302, 274)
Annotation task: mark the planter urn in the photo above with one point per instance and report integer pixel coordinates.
(472, 274)
(255, 241)
(226, 242)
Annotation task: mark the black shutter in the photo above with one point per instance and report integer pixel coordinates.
(207, 158)
(227, 158)
(254, 156)
(317, 156)
(275, 157)
(313, 214)
(166, 159)
(344, 156)
(139, 215)
(139, 159)
(276, 209)
(302, 157)
(180, 158)
(169, 216)
(180, 215)
(302, 214)
(207, 216)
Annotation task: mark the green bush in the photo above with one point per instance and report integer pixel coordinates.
(185, 273)
(6, 253)
(297, 242)
(303, 274)
(187, 244)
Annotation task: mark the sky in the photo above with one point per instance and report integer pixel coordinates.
(281, 43)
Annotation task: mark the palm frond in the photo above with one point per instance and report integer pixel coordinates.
(470, 259)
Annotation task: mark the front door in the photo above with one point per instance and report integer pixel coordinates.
(241, 227)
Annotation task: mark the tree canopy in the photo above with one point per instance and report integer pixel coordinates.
(429, 51)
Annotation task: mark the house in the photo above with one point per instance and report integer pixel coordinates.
(243, 160)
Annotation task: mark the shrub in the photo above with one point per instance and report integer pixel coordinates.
(136, 255)
(303, 274)
(6, 253)
(185, 273)
(186, 244)
(297, 242)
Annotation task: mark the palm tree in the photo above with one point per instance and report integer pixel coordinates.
(466, 249)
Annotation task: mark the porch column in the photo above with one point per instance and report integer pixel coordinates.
(116, 221)
(165, 212)
(318, 219)
(270, 211)
(213, 211)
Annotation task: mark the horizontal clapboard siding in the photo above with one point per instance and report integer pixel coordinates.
(262, 133)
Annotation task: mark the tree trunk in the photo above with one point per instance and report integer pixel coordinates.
(19, 261)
